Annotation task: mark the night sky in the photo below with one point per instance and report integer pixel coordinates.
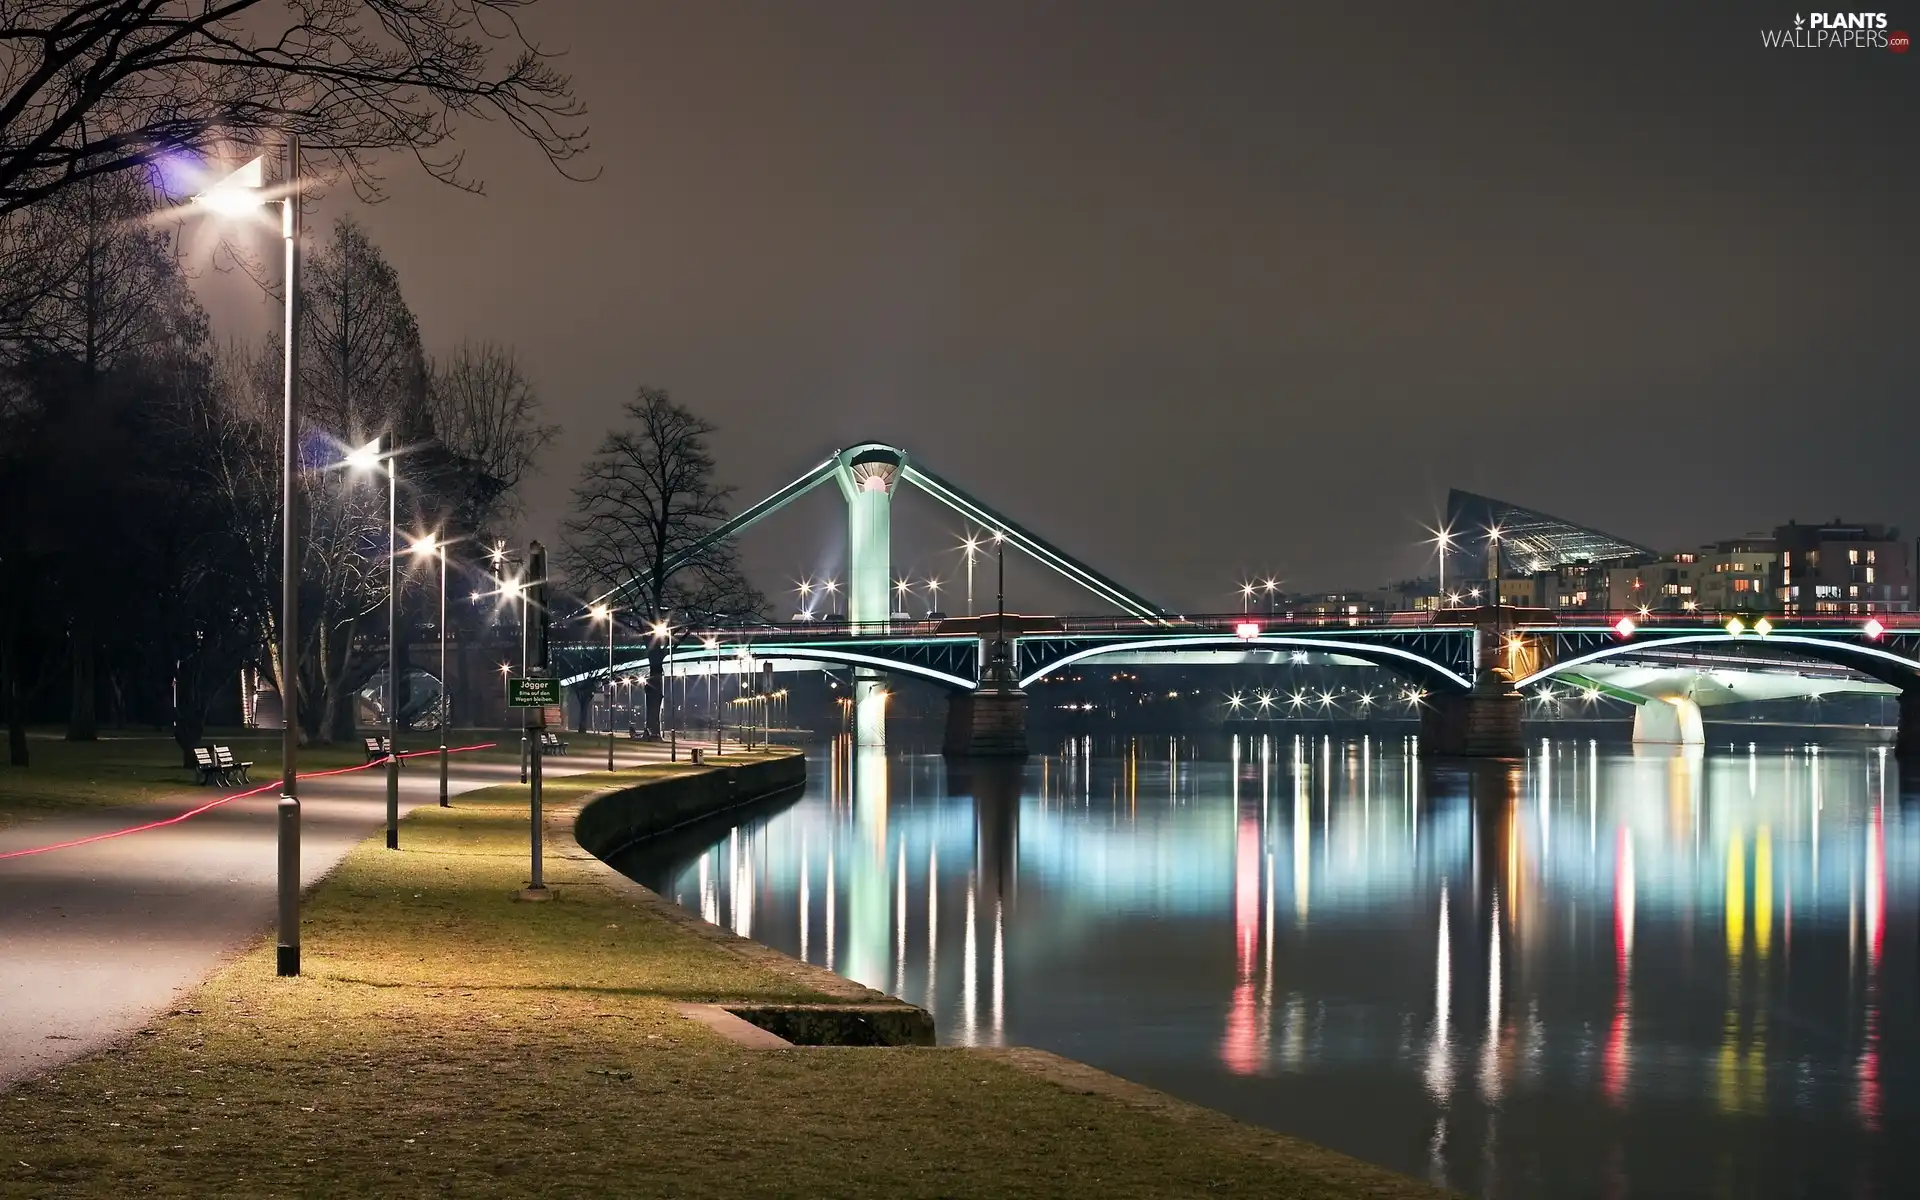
(1197, 290)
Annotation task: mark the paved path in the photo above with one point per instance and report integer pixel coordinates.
(96, 939)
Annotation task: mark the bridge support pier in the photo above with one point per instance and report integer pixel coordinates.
(1668, 722)
(989, 723)
(869, 709)
(1481, 723)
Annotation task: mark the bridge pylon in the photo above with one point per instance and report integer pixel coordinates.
(868, 476)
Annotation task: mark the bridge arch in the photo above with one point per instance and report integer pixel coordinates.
(1404, 662)
(1873, 661)
(824, 654)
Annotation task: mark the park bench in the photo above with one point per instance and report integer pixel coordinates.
(379, 748)
(551, 742)
(636, 733)
(231, 768)
(205, 769)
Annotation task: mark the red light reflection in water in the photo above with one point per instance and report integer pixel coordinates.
(1618, 1058)
(1242, 1050)
(1867, 1071)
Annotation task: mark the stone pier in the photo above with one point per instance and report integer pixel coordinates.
(989, 723)
(1481, 723)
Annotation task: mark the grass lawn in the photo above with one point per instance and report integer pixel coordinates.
(130, 768)
(449, 1039)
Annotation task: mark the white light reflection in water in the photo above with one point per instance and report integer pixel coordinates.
(999, 975)
(969, 985)
(1136, 919)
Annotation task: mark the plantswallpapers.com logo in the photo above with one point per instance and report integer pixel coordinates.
(1836, 31)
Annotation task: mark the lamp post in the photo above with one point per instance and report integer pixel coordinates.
(712, 646)
(1246, 598)
(970, 546)
(1442, 542)
(805, 589)
(1271, 585)
(901, 590)
(369, 457)
(933, 590)
(1000, 603)
(241, 194)
(604, 612)
(663, 632)
(432, 545)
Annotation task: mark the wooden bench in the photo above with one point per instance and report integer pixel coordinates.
(205, 769)
(231, 768)
(551, 743)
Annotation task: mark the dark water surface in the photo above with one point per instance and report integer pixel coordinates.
(1594, 973)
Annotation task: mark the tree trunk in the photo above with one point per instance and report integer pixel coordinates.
(83, 723)
(656, 685)
(11, 698)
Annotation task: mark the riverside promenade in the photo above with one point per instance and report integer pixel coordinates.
(100, 935)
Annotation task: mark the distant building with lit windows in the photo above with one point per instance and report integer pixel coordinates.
(1841, 569)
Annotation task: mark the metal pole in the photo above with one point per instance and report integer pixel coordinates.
(536, 718)
(446, 692)
(523, 671)
(609, 688)
(393, 650)
(287, 811)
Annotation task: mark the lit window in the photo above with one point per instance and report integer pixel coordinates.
(1786, 558)
(1739, 585)
(1869, 574)
(1870, 555)
(1853, 556)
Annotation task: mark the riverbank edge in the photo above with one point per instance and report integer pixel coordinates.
(613, 822)
(595, 828)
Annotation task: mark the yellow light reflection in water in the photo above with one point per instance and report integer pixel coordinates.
(1763, 891)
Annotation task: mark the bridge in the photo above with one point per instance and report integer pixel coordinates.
(1470, 666)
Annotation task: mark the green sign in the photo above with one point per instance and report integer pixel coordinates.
(532, 693)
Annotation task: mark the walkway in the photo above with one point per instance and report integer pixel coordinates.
(96, 939)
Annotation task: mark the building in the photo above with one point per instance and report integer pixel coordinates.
(1530, 541)
(1839, 568)
(1737, 576)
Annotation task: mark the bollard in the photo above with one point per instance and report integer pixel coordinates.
(673, 745)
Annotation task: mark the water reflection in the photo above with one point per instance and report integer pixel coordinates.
(1594, 971)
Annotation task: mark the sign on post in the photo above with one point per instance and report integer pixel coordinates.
(532, 693)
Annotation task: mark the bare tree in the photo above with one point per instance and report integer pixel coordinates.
(646, 502)
(97, 88)
(363, 372)
(487, 415)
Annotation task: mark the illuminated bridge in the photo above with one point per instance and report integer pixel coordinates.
(1470, 665)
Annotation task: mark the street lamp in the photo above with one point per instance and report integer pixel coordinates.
(1246, 597)
(902, 589)
(1271, 585)
(243, 192)
(933, 590)
(367, 458)
(970, 546)
(1442, 542)
(433, 546)
(604, 612)
(712, 646)
(806, 596)
(663, 632)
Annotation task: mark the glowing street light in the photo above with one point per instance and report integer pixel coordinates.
(970, 546)
(369, 458)
(604, 612)
(662, 631)
(1246, 596)
(1442, 542)
(431, 546)
(901, 590)
(1270, 585)
(933, 590)
(244, 192)
(805, 588)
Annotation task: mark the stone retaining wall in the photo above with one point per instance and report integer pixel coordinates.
(609, 823)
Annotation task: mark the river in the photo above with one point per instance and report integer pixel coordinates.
(1595, 972)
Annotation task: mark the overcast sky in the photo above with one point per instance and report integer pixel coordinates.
(1203, 289)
